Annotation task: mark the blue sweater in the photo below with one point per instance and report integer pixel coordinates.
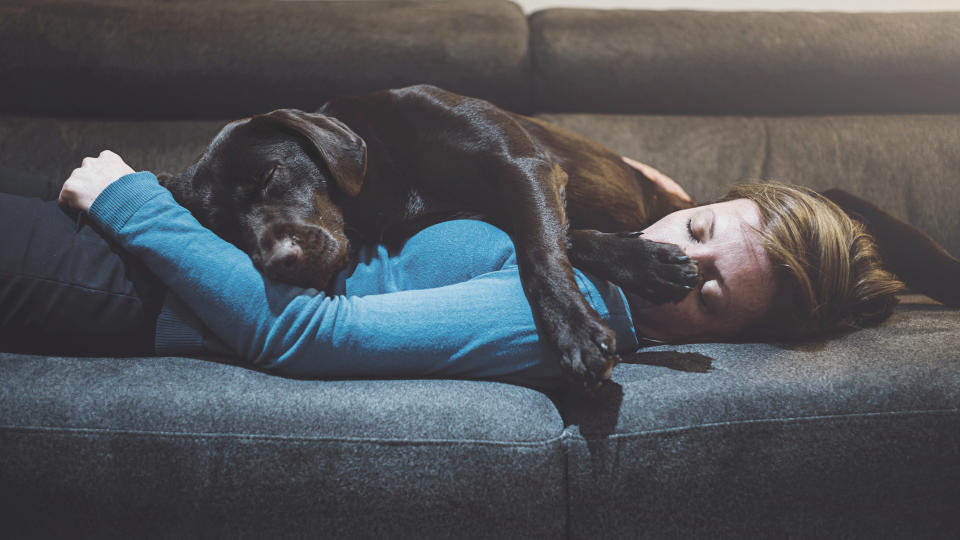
(449, 304)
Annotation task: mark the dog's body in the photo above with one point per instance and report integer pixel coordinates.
(293, 189)
(289, 187)
(443, 145)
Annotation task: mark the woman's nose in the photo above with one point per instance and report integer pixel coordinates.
(698, 252)
(703, 256)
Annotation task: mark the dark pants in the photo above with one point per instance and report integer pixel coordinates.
(71, 292)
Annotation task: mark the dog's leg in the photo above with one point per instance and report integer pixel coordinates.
(657, 271)
(477, 157)
(534, 205)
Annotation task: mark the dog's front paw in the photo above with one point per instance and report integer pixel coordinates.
(656, 271)
(664, 274)
(586, 346)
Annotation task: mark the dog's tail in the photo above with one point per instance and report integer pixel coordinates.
(918, 260)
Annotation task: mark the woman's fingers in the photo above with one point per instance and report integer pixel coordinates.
(85, 183)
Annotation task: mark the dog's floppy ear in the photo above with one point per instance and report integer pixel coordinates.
(344, 152)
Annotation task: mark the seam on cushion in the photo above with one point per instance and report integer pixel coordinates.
(786, 420)
(533, 91)
(68, 284)
(292, 438)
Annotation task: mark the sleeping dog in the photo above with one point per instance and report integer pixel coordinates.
(295, 190)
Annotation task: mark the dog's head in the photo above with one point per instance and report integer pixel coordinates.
(273, 186)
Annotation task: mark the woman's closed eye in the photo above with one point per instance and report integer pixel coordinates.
(693, 237)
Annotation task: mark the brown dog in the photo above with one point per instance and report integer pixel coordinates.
(294, 189)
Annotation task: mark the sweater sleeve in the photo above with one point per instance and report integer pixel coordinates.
(479, 328)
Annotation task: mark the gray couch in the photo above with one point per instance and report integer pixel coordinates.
(853, 436)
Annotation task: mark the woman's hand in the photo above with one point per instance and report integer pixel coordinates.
(659, 178)
(94, 175)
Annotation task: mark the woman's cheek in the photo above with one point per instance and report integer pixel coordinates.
(668, 322)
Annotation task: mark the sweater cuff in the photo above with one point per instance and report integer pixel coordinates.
(181, 333)
(121, 199)
(602, 293)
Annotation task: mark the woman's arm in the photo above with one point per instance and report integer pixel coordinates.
(480, 328)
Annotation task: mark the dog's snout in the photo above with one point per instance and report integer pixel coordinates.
(299, 254)
(286, 260)
(288, 253)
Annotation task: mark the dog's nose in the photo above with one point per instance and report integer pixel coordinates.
(285, 261)
(287, 253)
(301, 255)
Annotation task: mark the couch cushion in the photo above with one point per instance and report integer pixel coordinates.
(858, 436)
(232, 59)
(38, 154)
(174, 447)
(710, 62)
(906, 164)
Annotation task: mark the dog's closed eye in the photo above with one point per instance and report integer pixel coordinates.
(267, 178)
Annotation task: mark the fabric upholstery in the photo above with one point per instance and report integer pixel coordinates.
(232, 59)
(906, 164)
(853, 436)
(172, 447)
(40, 152)
(682, 62)
(856, 437)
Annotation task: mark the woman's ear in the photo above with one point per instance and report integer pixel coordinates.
(343, 151)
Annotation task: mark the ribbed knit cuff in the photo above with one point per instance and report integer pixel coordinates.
(620, 311)
(121, 199)
(179, 331)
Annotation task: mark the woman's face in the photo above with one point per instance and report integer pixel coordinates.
(738, 287)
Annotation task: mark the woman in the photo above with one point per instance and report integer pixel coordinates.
(778, 262)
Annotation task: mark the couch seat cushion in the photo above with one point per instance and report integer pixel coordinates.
(180, 447)
(867, 423)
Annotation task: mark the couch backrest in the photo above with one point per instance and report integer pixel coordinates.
(182, 59)
(712, 98)
(123, 59)
(685, 62)
(867, 102)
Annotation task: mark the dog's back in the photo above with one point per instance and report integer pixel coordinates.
(601, 191)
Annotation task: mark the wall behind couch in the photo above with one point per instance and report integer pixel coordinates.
(751, 5)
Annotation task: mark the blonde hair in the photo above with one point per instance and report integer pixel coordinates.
(828, 267)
